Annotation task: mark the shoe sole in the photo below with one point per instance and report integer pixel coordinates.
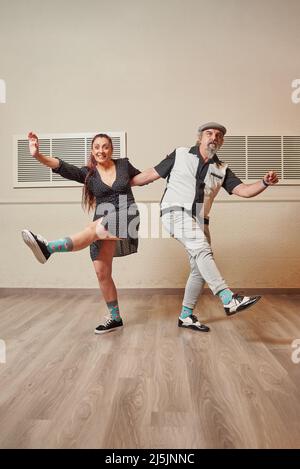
(194, 328)
(108, 330)
(242, 307)
(32, 244)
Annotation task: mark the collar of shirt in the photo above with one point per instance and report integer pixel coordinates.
(195, 151)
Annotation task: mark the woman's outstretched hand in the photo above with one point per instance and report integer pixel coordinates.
(34, 149)
(33, 144)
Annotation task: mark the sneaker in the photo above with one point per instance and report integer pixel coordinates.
(191, 322)
(239, 302)
(108, 326)
(37, 244)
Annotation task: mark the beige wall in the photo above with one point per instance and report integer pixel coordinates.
(155, 69)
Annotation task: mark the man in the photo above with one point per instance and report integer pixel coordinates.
(194, 177)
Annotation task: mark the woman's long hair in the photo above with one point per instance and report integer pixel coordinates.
(88, 198)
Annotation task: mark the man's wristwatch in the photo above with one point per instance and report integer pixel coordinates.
(265, 183)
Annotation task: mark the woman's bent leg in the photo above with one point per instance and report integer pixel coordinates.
(42, 249)
(91, 233)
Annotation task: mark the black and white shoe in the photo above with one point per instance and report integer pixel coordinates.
(239, 302)
(108, 326)
(191, 322)
(37, 244)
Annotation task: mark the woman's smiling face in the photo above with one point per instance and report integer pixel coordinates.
(102, 149)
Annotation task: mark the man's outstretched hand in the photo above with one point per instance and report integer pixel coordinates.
(271, 178)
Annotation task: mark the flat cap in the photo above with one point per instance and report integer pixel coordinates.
(213, 125)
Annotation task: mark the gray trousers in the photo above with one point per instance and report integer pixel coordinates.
(195, 238)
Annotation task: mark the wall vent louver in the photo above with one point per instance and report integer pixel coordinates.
(250, 157)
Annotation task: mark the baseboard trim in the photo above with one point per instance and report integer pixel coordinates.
(139, 291)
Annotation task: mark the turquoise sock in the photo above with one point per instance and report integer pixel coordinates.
(225, 296)
(60, 245)
(113, 308)
(185, 312)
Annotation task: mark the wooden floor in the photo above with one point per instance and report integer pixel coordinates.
(150, 385)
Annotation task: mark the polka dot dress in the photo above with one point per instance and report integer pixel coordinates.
(115, 204)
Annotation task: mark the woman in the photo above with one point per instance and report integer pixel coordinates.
(114, 231)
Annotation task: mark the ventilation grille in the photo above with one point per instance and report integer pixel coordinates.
(264, 153)
(291, 162)
(250, 157)
(28, 168)
(72, 148)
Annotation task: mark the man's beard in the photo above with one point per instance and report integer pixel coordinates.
(211, 150)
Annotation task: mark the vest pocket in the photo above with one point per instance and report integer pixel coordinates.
(213, 181)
